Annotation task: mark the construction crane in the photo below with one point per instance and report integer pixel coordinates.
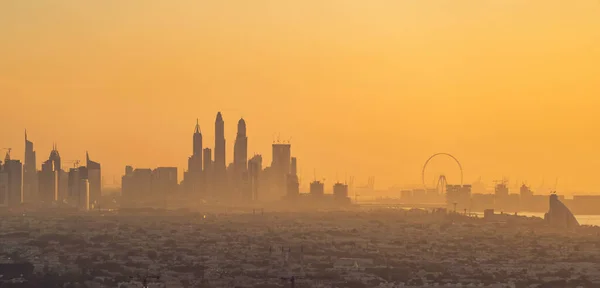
(75, 163)
(7, 149)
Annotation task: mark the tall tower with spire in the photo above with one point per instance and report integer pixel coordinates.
(192, 177)
(219, 167)
(195, 162)
(30, 179)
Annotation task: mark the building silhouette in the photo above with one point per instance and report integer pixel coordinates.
(219, 166)
(14, 174)
(79, 188)
(255, 172)
(241, 183)
(293, 183)
(3, 188)
(207, 173)
(317, 188)
(280, 169)
(240, 151)
(30, 178)
(94, 179)
(147, 187)
(192, 178)
(48, 178)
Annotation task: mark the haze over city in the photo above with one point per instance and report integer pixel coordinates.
(361, 88)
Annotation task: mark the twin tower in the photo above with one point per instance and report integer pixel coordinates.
(207, 176)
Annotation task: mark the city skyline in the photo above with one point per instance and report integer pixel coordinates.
(197, 151)
(370, 91)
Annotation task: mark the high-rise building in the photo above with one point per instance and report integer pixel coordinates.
(30, 178)
(48, 181)
(79, 188)
(195, 161)
(14, 170)
(317, 188)
(207, 159)
(241, 185)
(294, 167)
(254, 175)
(340, 191)
(192, 178)
(164, 182)
(280, 169)
(219, 167)
(240, 150)
(293, 183)
(84, 195)
(207, 174)
(94, 179)
(136, 186)
(3, 188)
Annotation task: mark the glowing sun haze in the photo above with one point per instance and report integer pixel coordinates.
(363, 88)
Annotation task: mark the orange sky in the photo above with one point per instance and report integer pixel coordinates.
(512, 88)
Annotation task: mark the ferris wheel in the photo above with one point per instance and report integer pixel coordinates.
(444, 177)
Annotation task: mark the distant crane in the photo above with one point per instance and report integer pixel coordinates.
(75, 163)
(7, 149)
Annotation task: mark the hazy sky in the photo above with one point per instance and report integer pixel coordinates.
(511, 88)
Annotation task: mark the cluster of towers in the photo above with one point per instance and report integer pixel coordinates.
(244, 179)
(22, 184)
(209, 177)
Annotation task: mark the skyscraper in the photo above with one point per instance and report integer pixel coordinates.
(207, 160)
(29, 173)
(280, 169)
(240, 149)
(192, 177)
(94, 180)
(49, 178)
(79, 188)
(14, 170)
(195, 161)
(219, 167)
(3, 188)
(207, 174)
(254, 175)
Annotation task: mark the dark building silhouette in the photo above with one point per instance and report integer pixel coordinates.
(3, 187)
(52, 187)
(240, 150)
(241, 183)
(136, 186)
(48, 183)
(293, 184)
(79, 188)
(94, 178)
(147, 187)
(197, 150)
(30, 177)
(254, 175)
(559, 215)
(280, 169)
(207, 173)
(294, 166)
(340, 190)
(317, 188)
(13, 170)
(193, 177)
(219, 166)
(164, 182)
